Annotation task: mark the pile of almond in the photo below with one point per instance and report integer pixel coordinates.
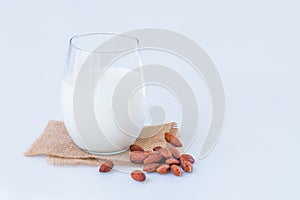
(160, 160)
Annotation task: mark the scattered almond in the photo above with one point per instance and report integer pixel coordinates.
(175, 153)
(151, 153)
(106, 166)
(159, 159)
(151, 167)
(187, 166)
(163, 169)
(175, 169)
(187, 157)
(172, 139)
(153, 159)
(135, 147)
(172, 161)
(138, 157)
(138, 175)
(157, 148)
(166, 153)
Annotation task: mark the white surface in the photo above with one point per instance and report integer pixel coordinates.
(255, 46)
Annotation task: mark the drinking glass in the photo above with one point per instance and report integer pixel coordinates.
(103, 106)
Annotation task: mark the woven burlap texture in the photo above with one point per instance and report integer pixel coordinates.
(57, 145)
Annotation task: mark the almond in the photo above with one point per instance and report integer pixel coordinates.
(106, 166)
(172, 161)
(165, 152)
(172, 139)
(175, 152)
(151, 153)
(175, 169)
(151, 167)
(157, 148)
(138, 175)
(153, 159)
(135, 147)
(187, 157)
(163, 169)
(138, 157)
(187, 166)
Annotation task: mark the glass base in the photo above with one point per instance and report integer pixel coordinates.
(105, 153)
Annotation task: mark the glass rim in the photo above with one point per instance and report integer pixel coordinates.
(73, 38)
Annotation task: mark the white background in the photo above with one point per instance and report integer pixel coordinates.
(255, 46)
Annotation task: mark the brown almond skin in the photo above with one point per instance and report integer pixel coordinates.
(166, 153)
(106, 166)
(151, 167)
(175, 153)
(187, 166)
(137, 157)
(135, 147)
(138, 175)
(153, 159)
(163, 169)
(172, 161)
(153, 153)
(172, 139)
(175, 169)
(157, 148)
(187, 157)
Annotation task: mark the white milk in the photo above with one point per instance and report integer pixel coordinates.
(112, 138)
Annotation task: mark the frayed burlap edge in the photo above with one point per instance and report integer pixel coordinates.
(57, 145)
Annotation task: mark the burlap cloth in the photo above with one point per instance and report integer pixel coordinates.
(57, 145)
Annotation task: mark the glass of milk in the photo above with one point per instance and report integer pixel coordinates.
(103, 101)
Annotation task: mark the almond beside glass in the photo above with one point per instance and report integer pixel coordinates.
(106, 166)
(172, 139)
(138, 157)
(135, 147)
(157, 148)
